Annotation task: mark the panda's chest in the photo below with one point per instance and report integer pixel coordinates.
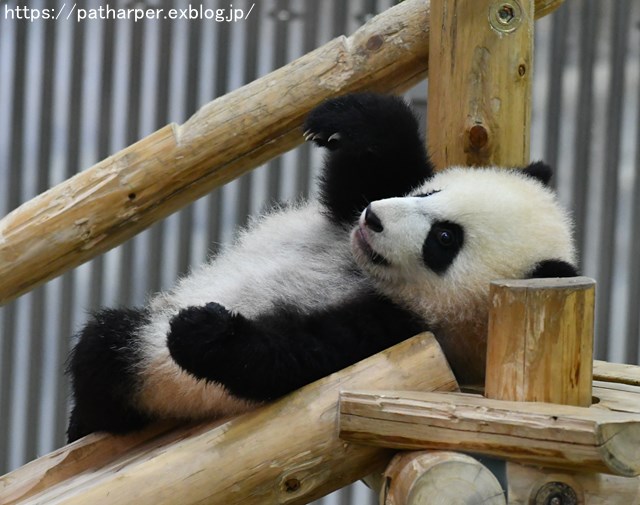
(298, 258)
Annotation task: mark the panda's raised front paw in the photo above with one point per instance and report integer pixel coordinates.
(323, 139)
(358, 122)
(339, 122)
(198, 335)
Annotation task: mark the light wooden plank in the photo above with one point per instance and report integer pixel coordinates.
(536, 433)
(616, 372)
(616, 396)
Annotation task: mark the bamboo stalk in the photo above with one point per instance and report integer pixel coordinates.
(287, 452)
(119, 197)
(535, 433)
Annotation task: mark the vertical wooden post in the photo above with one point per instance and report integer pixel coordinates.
(480, 63)
(541, 340)
(540, 348)
(479, 113)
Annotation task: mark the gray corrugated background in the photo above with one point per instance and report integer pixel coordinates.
(73, 93)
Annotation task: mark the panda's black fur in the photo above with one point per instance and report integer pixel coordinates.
(305, 291)
(375, 151)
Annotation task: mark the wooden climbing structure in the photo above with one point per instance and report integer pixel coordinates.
(568, 428)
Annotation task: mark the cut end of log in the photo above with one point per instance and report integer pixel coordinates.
(440, 478)
(621, 448)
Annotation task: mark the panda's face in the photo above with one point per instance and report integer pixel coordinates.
(438, 249)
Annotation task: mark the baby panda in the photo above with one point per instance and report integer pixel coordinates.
(436, 250)
(310, 288)
(285, 305)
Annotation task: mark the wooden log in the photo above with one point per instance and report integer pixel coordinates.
(529, 485)
(541, 340)
(616, 372)
(480, 74)
(617, 397)
(85, 455)
(439, 478)
(536, 486)
(110, 202)
(124, 194)
(544, 7)
(536, 433)
(287, 452)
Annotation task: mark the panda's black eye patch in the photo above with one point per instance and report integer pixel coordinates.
(428, 193)
(442, 245)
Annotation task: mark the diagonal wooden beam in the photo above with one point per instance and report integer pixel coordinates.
(285, 452)
(124, 194)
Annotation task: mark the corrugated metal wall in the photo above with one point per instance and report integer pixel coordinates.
(73, 92)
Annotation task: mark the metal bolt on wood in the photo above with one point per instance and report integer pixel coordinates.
(505, 17)
(556, 493)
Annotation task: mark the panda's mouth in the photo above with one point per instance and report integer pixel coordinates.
(361, 241)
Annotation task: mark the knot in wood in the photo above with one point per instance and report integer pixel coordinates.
(291, 485)
(478, 136)
(375, 42)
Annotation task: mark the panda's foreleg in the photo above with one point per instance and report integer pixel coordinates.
(102, 368)
(375, 151)
(279, 352)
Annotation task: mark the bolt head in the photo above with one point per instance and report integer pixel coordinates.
(506, 14)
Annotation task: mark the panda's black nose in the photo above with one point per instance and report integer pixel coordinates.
(372, 221)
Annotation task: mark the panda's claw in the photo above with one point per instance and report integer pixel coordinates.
(318, 138)
(322, 139)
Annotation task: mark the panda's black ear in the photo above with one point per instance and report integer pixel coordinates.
(553, 268)
(540, 171)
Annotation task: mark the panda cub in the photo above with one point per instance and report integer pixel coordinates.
(310, 288)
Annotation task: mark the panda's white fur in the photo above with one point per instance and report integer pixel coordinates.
(504, 238)
(296, 255)
(511, 221)
(306, 290)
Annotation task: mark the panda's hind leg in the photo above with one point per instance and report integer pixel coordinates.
(375, 151)
(102, 368)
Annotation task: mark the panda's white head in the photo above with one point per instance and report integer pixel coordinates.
(437, 249)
